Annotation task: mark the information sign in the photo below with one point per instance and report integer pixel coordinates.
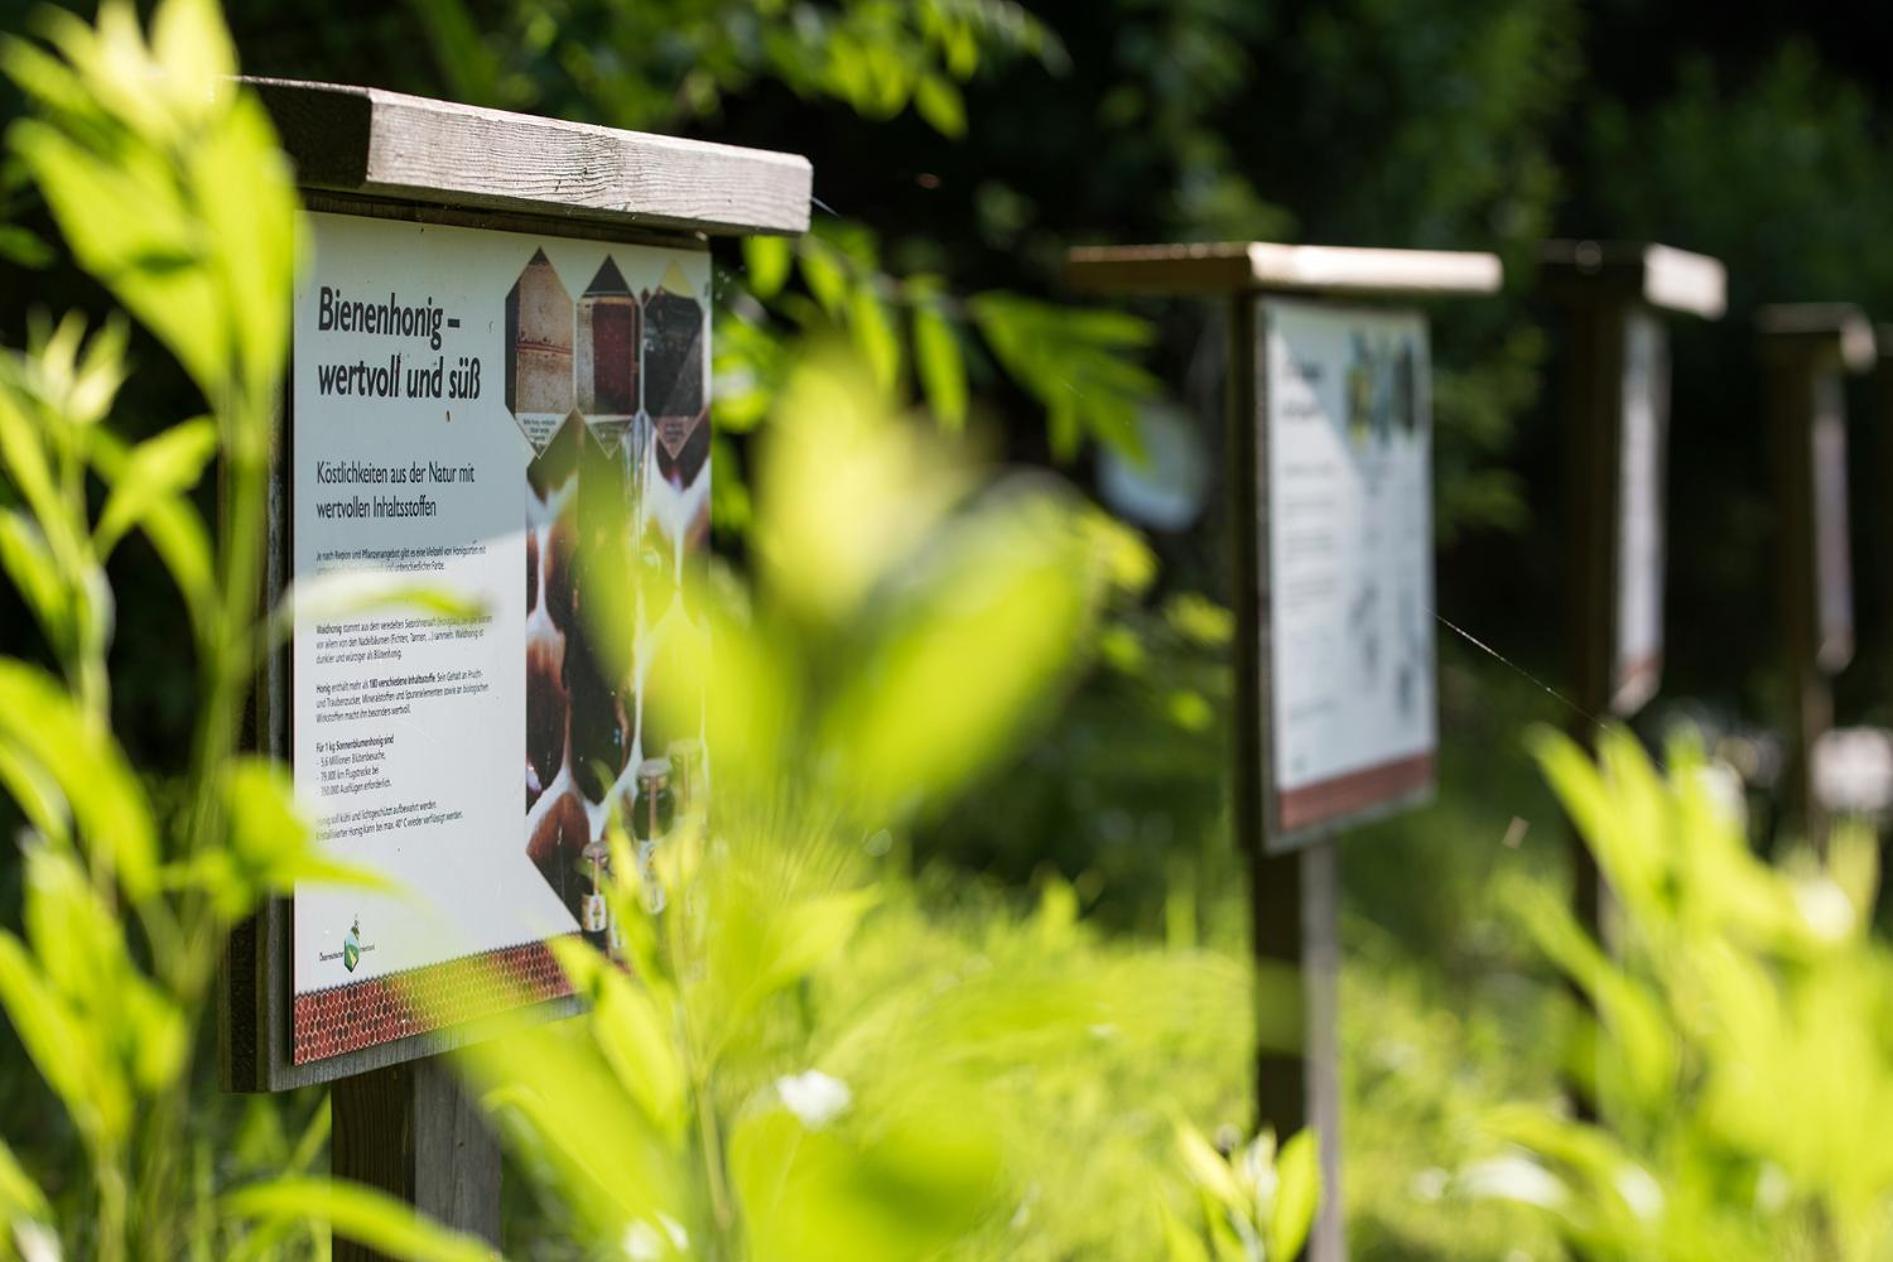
(467, 407)
(1345, 405)
(1638, 667)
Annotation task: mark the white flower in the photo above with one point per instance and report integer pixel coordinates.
(36, 1242)
(1825, 908)
(1430, 1184)
(1640, 1191)
(1772, 1189)
(674, 1229)
(642, 1243)
(814, 1097)
(1515, 1178)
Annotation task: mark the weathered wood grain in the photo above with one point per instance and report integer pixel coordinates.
(411, 1131)
(1259, 266)
(409, 148)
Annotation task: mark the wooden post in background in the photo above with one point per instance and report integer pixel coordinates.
(1615, 393)
(411, 1130)
(1295, 873)
(1806, 350)
(1294, 896)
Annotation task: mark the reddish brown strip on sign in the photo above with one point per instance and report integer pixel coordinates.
(1356, 791)
(382, 1009)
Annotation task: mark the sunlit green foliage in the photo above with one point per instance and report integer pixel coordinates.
(793, 1066)
(658, 65)
(1738, 1056)
(167, 184)
(663, 66)
(1257, 1204)
(1080, 365)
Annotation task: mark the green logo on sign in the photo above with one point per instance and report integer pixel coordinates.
(352, 946)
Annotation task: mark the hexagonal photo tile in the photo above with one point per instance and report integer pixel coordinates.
(539, 337)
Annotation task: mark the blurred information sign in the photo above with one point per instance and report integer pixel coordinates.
(1345, 403)
(1644, 447)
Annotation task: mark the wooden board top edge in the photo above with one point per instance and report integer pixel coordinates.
(1661, 275)
(376, 142)
(1272, 267)
(1838, 327)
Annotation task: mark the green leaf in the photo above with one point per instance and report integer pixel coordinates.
(81, 948)
(822, 270)
(973, 639)
(127, 225)
(75, 936)
(873, 330)
(360, 1213)
(562, 1106)
(1209, 1172)
(37, 795)
(941, 365)
(156, 1037)
(896, 1187)
(814, 930)
(1181, 1244)
(1079, 364)
(96, 375)
(939, 102)
(29, 563)
(266, 827)
(178, 535)
(246, 194)
(64, 1049)
(832, 428)
(770, 944)
(1297, 1194)
(20, 1197)
(175, 530)
(272, 847)
(23, 455)
(156, 469)
(190, 43)
(42, 723)
(23, 249)
(632, 1033)
(768, 260)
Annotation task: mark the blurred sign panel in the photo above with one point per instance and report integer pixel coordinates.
(1833, 563)
(1346, 415)
(1642, 464)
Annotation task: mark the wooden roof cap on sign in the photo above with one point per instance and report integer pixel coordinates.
(388, 145)
(1255, 266)
(1821, 328)
(1660, 275)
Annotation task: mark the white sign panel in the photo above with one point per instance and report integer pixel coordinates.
(452, 389)
(1643, 459)
(1346, 409)
(1833, 563)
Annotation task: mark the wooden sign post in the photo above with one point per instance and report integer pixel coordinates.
(1330, 449)
(500, 348)
(1616, 398)
(1806, 350)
